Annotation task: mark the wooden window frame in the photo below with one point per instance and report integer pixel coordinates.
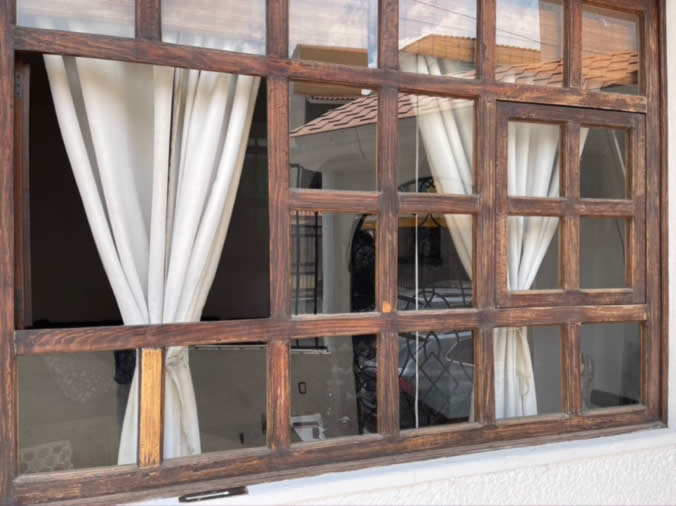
(153, 476)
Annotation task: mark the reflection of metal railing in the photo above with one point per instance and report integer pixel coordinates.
(442, 387)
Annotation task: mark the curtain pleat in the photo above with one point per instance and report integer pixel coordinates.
(157, 154)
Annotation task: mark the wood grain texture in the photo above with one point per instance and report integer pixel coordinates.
(242, 467)
(664, 211)
(334, 201)
(426, 203)
(151, 407)
(277, 27)
(486, 39)
(387, 383)
(650, 342)
(571, 383)
(388, 34)
(149, 19)
(8, 365)
(496, 104)
(572, 54)
(176, 55)
(278, 395)
(22, 242)
(278, 196)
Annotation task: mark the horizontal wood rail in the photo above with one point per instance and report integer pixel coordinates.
(246, 467)
(89, 339)
(162, 53)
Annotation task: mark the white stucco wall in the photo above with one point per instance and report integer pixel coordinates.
(631, 469)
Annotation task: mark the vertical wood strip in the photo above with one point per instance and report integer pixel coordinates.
(572, 54)
(485, 253)
(278, 195)
(151, 406)
(496, 265)
(664, 200)
(571, 383)
(277, 392)
(387, 383)
(277, 28)
(486, 39)
(484, 376)
(569, 244)
(387, 226)
(149, 19)
(650, 343)
(387, 231)
(388, 34)
(278, 395)
(22, 249)
(8, 384)
(636, 242)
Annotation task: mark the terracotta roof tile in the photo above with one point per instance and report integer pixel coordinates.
(599, 71)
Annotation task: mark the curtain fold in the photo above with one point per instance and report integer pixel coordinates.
(533, 170)
(157, 155)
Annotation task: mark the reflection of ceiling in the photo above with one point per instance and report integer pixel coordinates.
(599, 71)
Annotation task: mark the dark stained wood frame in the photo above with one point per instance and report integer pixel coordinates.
(643, 116)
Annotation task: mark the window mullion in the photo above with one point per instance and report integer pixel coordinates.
(277, 28)
(572, 54)
(278, 396)
(387, 259)
(571, 369)
(486, 25)
(388, 34)
(151, 404)
(569, 244)
(149, 19)
(485, 258)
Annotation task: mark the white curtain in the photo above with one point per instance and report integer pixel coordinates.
(533, 170)
(157, 154)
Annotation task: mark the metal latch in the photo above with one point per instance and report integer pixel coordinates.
(213, 494)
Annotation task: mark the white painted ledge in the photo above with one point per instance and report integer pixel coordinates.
(425, 482)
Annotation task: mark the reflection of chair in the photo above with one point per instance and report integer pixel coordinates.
(445, 368)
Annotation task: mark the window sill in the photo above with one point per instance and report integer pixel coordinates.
(335, 485)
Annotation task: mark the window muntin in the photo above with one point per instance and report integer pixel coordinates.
(571, 315)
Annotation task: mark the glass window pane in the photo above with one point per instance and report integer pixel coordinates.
(603, 164)
(610, 50)
(436, 373)
(232, 25)
(333, 140)
(527, 371)
(603, 249)
(333, 387)
(611, 367)
(230, 385)
(71, 409)
(435, 261)
(105, 17)
(341, 31)
(332, 262)
(533, 162)
(530, 42)
(438, 37)
(436, 144)
(532, 253)
(63, 250)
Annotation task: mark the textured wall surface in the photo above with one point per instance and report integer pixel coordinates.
(631, 469)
